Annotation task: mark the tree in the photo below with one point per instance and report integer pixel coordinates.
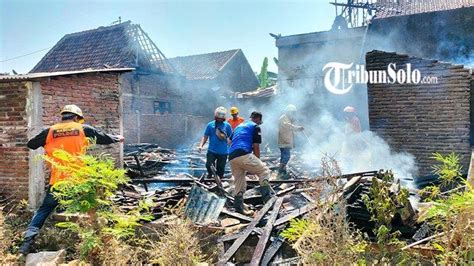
(263, 76)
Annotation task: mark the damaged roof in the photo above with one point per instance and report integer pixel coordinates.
(116, 46)
(410, 7)
(39, 75)
(203, 66)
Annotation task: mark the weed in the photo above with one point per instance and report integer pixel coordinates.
(325, 236)
(91, 181)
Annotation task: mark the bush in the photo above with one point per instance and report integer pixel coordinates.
(325, 236)
(91, 182)
(453, 216)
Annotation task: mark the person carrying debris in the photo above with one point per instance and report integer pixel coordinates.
(235, 120)
(71, 136)
(218, 132)
(245, 140)
(286, 130)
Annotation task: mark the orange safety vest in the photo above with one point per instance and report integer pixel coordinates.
(234, 123)
(67, 136)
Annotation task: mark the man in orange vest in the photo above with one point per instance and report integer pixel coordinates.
(235, 120)
(69, 135)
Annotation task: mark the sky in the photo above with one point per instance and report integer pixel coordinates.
(30, 28)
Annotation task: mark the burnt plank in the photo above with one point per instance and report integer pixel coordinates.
(230, 237)
(298, 212)
(245, 233)
(272, 250)
(262, 242)
(237, 215)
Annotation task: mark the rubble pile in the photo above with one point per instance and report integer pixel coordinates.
(168, 177)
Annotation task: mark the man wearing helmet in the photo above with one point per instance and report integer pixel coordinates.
(235, 120)
(353, 122)
(218, 132)
(286, 130)
(69, 135)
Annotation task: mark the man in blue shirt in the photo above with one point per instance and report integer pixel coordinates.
(218, 132)
(244, 156)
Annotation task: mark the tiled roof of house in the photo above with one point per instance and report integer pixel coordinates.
(202, 66)
(105, 47)
(410, 7)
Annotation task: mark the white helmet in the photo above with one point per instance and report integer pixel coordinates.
(220, 112)
(290, 108)
(349, 109)
(73, 109)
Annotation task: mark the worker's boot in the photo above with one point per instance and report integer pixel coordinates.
(26, 246)
(239, 204)
(282, 173)
(266, 190)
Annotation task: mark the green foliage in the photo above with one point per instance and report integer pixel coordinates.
(91, 182)
(448, 168)
(383, 205)
(297, 229)
(454, 217)
(263, 76)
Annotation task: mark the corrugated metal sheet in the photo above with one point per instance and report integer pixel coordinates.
(30, 76)
(203, 207)
(259, 93)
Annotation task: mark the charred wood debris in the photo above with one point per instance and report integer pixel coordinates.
(170, 177)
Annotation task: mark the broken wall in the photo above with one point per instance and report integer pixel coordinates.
(422, 118)
(26, 107)
(143, 120)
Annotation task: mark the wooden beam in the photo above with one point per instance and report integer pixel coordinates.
(272, 250)
(262, 242)
(236, 245)
(294, 214)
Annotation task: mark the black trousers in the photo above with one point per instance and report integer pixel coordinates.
(218, 160)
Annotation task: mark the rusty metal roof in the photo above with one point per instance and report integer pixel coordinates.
(203, 207)
(32, 76)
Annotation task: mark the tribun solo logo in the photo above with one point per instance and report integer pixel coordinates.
(339, 78)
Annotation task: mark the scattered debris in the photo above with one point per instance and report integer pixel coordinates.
(168, 177)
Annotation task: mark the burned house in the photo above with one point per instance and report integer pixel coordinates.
(30, 102)
(213, 76)
(152, 94)
(432, 30)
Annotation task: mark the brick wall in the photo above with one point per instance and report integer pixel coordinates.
(13, 137)
(172, 130)
(25, 107)
(424, 118)
(97, 94)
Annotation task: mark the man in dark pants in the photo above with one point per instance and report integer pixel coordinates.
(69, 135)
(218, 132)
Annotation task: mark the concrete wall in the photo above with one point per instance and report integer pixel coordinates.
(423, 118)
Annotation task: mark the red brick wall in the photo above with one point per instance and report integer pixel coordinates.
(97, 94)
(13, 138)
(424, 118)
(141, 124)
